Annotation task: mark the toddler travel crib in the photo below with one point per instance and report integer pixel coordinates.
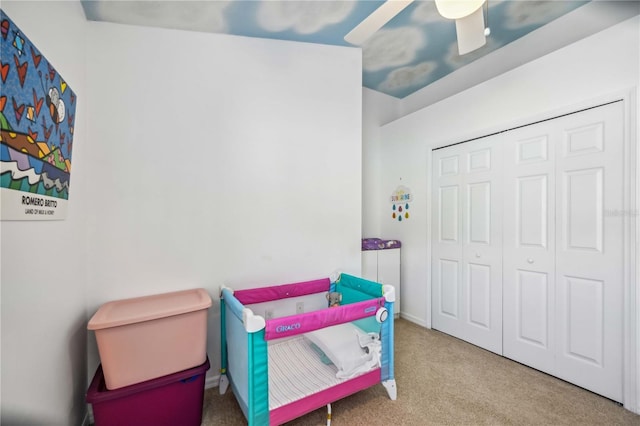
(301, 354)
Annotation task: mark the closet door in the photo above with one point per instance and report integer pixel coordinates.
(563, 253)
(446, 241)
(589, 250)
(467, 252)
(529, 246)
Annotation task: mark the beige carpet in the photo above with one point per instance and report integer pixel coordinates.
(445, 381)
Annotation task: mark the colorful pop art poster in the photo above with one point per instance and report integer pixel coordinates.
(37, 112)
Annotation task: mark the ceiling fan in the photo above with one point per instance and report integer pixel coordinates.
(468, 15)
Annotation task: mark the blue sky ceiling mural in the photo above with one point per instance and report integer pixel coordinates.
(413, 50)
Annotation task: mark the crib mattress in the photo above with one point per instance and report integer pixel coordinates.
(296, 371)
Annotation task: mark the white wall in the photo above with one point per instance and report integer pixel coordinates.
(219, 160)
(44, 273)
(378, 109)
(198, 160)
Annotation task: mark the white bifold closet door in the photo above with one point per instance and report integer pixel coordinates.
(467, 245)
(527, 248)
(563, 253)
(530, 246)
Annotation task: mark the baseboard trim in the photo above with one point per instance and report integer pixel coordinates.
(414, 319)
(211, 381)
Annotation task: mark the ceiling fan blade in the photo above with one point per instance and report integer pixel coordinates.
(372, 23)
(470, 31)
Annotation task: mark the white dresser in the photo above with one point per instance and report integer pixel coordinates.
(383, 266)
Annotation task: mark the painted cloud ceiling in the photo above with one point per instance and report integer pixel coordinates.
(413, 50)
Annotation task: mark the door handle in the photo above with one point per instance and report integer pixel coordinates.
(478, 255)
(530, 260)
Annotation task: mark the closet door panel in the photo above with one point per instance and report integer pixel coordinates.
(467, 262)
(482, 249)
(582, 218)
(479, 303)
(448, 271)
(532, 204)
(529, 247)
(532, 290)
(589, 240)
(585, 318)
(449, 221)
(447, 244)
(448, 284)
(479, 212)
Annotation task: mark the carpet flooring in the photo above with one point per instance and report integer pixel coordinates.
(442, 380)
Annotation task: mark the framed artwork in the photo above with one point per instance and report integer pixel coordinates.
(37, 115)
(400, 202)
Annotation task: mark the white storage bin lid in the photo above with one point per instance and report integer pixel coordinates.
(147, 308)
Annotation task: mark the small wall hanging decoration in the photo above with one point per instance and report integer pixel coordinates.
(37, 117)
(400, 201)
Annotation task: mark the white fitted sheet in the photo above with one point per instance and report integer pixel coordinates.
(296, 371)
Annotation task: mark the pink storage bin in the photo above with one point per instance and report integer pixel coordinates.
(147, 337)
(171, 400)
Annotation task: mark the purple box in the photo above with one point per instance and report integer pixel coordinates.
(379, 244)
(175, 399)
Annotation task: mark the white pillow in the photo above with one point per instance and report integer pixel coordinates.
(341, 344)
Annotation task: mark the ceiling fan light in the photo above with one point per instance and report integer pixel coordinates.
(456, 9)
(471, 32)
